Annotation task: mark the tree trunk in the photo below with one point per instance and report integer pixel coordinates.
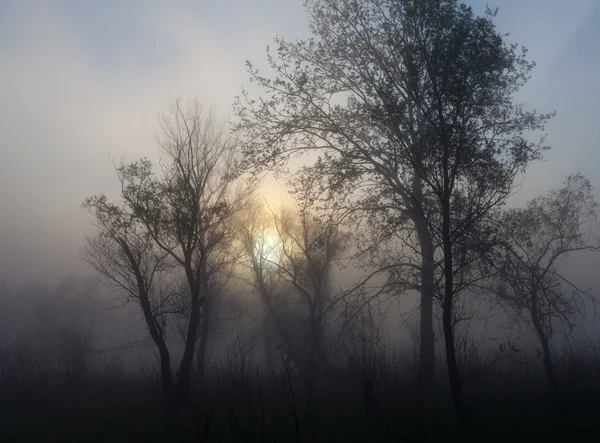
(203, 346)
(289, 347)
(427, 342)
(453, 374)
(185, 367)
(427, 339)
(314, 343)
(447, 306)
(166, 380)
(547, 356)
(268, 342)
(155, 332)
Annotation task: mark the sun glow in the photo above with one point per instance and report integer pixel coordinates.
(268, 246)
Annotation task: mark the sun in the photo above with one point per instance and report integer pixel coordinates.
(268, 246)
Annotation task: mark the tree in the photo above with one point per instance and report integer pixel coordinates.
(185, 213)
(304, 112)
(123, 253)
(312, 242)
(538, 239)
(298, 249)
(411, 103)
(261, 248)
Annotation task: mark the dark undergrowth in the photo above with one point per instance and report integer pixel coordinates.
(282, 409)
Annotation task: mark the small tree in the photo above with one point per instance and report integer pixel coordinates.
(261, 248)
(312, 242)
(123, 253)
(538, 240)
(298, 250)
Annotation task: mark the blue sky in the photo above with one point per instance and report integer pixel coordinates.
(81, 80)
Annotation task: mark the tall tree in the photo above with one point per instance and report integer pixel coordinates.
(411, 103)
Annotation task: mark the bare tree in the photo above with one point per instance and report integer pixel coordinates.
(370, 357)
(297, 249)
(538, 239)
(260, 244)
(312, 242)
(123, 253)
(184, 212)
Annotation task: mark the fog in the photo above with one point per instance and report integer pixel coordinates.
(82, 83)
(83, 89)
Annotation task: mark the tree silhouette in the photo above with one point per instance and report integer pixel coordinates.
(537, 240)
(123, 253)
(185, 215)
(308, 242)
(410, 103)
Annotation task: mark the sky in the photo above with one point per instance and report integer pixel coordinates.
(82, 80)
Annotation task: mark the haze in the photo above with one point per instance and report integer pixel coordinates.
(83, 81)
(83, 86)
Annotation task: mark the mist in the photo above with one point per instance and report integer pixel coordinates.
(299, 221)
